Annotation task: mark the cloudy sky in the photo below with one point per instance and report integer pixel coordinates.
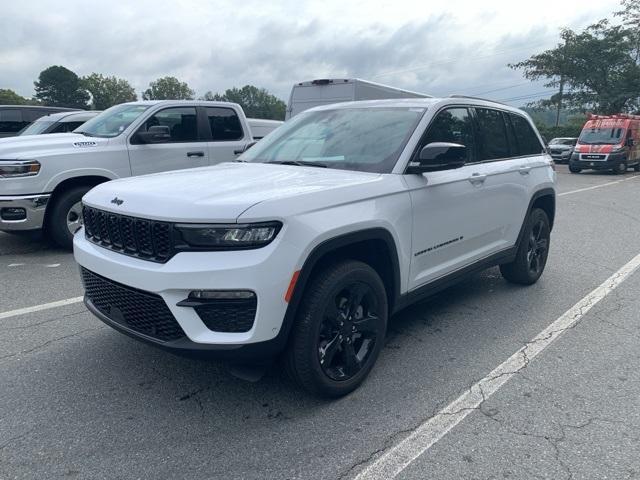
(453, 46)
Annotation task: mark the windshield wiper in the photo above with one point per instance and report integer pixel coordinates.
(300, 163)
(86, 134)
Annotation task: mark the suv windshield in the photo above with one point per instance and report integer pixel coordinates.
(364, 139)
(602, 136)
(36, 127)
(563, 141)
(113, 121)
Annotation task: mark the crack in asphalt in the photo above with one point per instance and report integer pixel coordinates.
(32, 325)
(47, 343)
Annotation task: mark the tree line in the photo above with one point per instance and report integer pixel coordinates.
(60, 87)
(594, 70)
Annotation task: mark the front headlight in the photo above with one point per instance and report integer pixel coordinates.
(617, 150)
(228, 237)
(19, 168)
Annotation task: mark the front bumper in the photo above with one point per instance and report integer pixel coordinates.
(564, 156)
(609, 162)
(265, 271)
(34, 207)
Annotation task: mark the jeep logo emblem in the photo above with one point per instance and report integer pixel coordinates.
(117, 201)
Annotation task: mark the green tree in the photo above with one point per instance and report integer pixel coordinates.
(60, 87)
(108, 91)
(598, 66)
(168, 88)
(256, 102)
(9, 97)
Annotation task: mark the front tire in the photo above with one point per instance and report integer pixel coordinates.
(65, 216)
(621, 168)
(532, 253)
(636, 167)
(339, 330)
(573, 169)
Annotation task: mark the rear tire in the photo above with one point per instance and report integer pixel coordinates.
(339, 330)
(65, 215)
(532, 253)
(573, 169)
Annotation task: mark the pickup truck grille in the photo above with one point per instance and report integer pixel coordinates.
(137, 237)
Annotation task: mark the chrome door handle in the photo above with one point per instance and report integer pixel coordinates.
(524, 170)
(195, 154)
(477, 178)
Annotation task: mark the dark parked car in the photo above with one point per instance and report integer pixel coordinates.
(14, 118)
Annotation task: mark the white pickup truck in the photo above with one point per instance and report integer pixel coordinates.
(43, 178)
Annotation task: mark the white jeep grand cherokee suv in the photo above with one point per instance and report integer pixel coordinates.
(309, 241)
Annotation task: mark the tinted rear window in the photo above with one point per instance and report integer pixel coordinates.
(225, 124)
(527, 142)
(493, 142)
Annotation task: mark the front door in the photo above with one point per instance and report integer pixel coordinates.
(186, 148)
(454, 213)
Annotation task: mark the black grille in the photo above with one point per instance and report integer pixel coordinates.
(231, 316)
(141, 311)
(146, 239)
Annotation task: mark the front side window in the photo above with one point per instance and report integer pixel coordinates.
(224, 123)
(527, 142)
(492, 131)
(113, 121)
(182, 123)
(453, 125)
(363, 139)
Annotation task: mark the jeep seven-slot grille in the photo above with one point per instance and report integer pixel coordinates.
(143, 312)
(138, 237)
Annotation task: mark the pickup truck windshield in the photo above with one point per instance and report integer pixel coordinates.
(364, 139)
(36, 128)
(112, 122)
(601, 136)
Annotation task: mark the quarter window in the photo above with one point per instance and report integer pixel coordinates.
(492, 131)
(527, 142)
(453, 125)
(224, 123)
(182, 123)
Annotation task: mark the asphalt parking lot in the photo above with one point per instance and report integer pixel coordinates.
(79, 400)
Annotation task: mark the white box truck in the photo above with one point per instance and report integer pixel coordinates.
(305, 95)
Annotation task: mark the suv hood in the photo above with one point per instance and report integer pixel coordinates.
(216, 194)
(27, 146)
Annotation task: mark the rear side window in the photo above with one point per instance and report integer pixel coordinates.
(453, 125)
(493, 140)
(527, 142)
(11, 121)
(224, 123)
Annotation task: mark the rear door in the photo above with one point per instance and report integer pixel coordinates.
(228, 137)
(186, 148)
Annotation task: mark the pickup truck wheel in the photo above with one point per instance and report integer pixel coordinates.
(573, 169)
(532, 253)
(65, 217)
(636, 167)
(339, 330)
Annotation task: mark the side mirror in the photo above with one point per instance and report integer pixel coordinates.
(438, 156)
(629, 142)
(155, 134)
(244, 149)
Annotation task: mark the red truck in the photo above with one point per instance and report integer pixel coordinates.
(608, 142)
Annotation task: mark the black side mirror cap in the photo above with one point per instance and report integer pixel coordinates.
(438, 156)
(155, 134)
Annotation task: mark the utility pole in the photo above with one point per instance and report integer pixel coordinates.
(560, 100)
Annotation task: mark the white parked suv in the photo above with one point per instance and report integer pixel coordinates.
(307, 243)
(43, 177)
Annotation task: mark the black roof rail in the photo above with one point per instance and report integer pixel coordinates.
(477, 98)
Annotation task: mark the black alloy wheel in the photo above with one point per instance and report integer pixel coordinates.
(349, 331)
(538, 247)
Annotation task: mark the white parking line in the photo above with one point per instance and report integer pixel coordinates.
(37, 308)
(597, 186)
(400, 456)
